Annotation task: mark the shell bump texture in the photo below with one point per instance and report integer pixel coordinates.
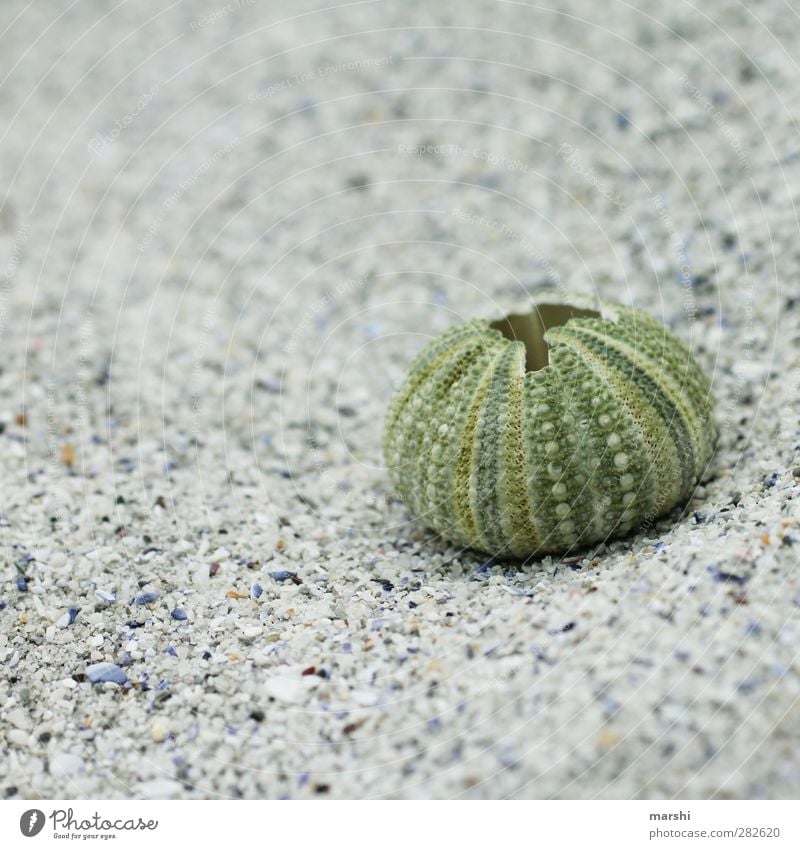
(549, 431)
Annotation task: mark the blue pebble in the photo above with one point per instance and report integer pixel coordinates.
(508, 756)
(255, 591)
(170, 650)
(179, 614)
(146, 598)
(22, 584)
(726, 577)
(283, 575)
(69, 617)
(100, 673)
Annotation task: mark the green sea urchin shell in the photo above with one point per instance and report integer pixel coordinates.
(556, 429)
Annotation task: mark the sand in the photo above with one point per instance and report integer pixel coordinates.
(225, 230)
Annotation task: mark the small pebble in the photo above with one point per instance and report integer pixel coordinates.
(179, 613)
(18, 737)
(105, 595)
(147, 598)
(158, 731)
(58, 560)
(726, 577)
(65, 765)
(285, 690)
(68, 618)
(99, 673)
(158, 788)
(19, 719)
(283, 575)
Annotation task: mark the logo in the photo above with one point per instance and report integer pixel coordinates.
(31, 822)
(66, 825)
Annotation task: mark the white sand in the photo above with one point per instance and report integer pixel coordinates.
(221, 245)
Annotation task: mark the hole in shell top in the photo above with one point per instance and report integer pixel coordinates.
(530, 328)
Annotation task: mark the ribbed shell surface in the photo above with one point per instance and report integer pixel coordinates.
(615, 431)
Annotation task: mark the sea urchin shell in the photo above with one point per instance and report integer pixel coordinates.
(551, 430)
